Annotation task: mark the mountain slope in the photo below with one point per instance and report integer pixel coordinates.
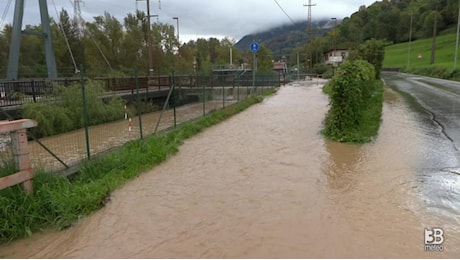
(284, 39)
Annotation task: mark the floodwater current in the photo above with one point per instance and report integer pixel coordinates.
(266, 184)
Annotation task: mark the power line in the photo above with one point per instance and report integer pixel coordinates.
(292, 21)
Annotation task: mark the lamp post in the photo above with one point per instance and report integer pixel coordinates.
(156, 16)
(177, 20)
(335, 45)
(335, 37)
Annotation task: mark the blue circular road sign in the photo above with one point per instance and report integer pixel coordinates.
(254, 47)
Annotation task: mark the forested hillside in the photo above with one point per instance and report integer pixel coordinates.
(282, 40)
(108, 46)
(387, 20)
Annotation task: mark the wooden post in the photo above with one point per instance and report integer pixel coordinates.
(20, 153)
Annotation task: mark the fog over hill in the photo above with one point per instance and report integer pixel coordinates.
(283, 39)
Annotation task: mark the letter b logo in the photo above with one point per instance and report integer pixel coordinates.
(434, 236)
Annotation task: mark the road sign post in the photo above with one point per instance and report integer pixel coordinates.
(254, 47)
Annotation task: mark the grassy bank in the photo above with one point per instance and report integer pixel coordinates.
(58, 202)
(397, 56)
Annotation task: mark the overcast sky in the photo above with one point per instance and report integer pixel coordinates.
(201, 18)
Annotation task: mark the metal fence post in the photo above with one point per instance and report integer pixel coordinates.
(174, 96)
(139, 103)
(204, 99)
(85, 112)
(238, 91)
(223, 90)
(34, 96)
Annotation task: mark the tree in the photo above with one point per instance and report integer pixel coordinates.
(264, 59)
(134, 51)
(372, 51)
(67, 44)
(5, 37)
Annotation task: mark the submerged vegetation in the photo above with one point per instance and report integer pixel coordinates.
(57, 202)
(67, 113)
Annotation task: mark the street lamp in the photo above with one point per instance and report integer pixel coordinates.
(335, 40)
(157, 16)
(177, 20)
(335, 45)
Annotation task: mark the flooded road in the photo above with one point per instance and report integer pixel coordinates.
(265, 184)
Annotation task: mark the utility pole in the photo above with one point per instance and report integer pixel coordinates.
(149, 37)
(433, 44)
(298, 66)
(456, 43)
(410, 40)
(335, 37)
(178, 42)
(309, 34)
(149, 40)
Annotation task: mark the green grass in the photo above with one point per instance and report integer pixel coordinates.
(58, 202)
(396, 56)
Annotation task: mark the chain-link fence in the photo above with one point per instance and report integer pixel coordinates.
(148, 106)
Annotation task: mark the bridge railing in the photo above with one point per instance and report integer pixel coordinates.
(19, 92)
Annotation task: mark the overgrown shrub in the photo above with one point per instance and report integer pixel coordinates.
(351, 97)
(321, 68)
(372, 51)
(67, 112)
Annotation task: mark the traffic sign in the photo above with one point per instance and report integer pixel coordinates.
(254, 47)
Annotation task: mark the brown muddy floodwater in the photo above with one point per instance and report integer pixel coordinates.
(265, 184)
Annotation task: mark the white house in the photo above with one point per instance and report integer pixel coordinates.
(335, 57)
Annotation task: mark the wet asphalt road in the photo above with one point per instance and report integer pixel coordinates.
(440, 99)
(436, 106)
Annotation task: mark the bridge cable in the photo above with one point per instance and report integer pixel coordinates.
(95, 43)
(66, 40)
(5, 12)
